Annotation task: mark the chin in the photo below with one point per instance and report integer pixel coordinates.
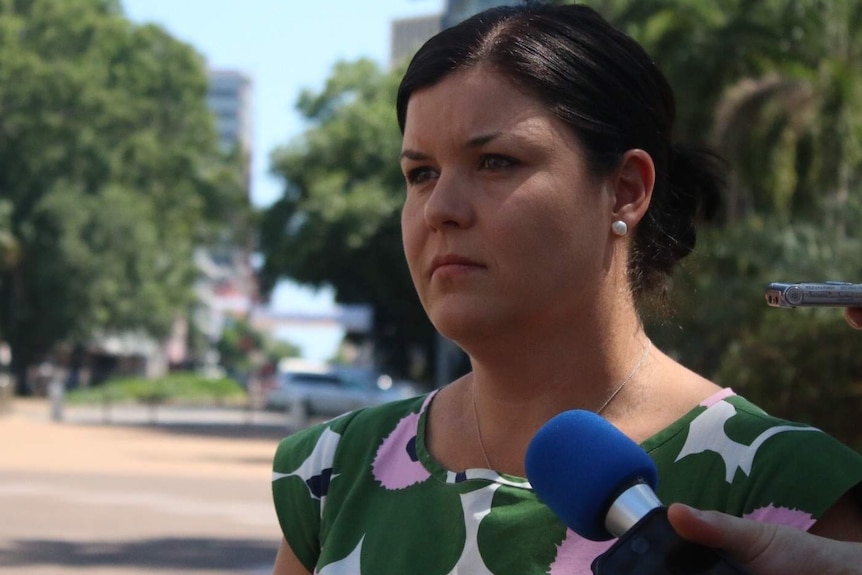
(465, 327)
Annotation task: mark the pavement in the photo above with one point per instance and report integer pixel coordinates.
(133, 491)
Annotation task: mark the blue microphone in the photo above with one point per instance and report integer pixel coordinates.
(601, 484)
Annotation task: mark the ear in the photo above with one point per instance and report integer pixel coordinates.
(632, 186)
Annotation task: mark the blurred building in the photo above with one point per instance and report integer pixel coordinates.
(408, 34)
(229, 97)
(459, 10)
(226, 286)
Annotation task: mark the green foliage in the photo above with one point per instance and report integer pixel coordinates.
(776, 86)
(705, 47)
(9, 248)
(718, 292)
(338, 221)
(800, 364)
(179, 388)
(238, 342)
(276, 350)
(242, 349)
(110, 165)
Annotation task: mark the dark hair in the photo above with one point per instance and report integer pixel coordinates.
(602, 84)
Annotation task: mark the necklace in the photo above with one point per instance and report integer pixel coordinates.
(478, 429)
(627, 379)
(607, 402)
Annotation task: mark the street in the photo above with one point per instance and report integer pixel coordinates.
(189, 494)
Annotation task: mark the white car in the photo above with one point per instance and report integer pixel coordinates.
(332, 392)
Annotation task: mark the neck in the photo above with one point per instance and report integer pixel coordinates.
(516, 393)
(581, 367)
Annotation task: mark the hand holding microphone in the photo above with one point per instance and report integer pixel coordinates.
(767, 549)
(601, 484)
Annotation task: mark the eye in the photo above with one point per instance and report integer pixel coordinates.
(420, 175)
(495, 162)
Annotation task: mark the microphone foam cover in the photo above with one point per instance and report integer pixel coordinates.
(578, 463)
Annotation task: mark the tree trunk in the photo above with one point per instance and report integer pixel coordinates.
(19, 372)
(18, 367)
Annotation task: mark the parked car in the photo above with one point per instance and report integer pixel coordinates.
(330, 392)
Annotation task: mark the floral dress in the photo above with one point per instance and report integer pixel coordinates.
(360, 494)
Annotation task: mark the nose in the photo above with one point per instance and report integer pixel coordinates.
(449, 205)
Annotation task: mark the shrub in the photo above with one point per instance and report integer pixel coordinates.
(183, 388)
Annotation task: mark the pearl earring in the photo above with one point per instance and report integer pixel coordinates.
(619, 228)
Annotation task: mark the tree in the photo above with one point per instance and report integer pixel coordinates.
(776, 86)
(243, 350)
(109, 161)
(338, 222)
(9, 248)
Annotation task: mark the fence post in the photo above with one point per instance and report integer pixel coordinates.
(57, 392)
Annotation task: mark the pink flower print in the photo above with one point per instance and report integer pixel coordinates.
(782, 516)
(575, 554)
(396, 465)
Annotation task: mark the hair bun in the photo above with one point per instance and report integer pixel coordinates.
(693, 193)
(697, 176)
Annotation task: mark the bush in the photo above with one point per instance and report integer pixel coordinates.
(179, 388)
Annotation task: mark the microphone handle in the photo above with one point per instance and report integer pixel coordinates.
(652, 547)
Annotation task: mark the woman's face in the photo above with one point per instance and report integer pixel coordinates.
(503, 226)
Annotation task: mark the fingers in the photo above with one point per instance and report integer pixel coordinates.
(766, 549)
(745, 540)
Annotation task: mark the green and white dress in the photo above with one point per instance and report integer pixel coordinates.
(361, 494)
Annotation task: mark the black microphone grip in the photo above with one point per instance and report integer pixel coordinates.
(652, 547)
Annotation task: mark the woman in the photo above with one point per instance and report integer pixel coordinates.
(544, 202)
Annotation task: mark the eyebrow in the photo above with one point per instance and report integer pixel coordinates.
(479, 141)
(413, 155)
(475, 142)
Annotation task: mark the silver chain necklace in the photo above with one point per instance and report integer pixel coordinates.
(599, 411)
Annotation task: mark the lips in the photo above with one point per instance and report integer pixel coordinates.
(452, 262)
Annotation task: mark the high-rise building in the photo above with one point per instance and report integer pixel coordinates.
(229, 97)
(458, 10)
(409, 34)
(226, 287)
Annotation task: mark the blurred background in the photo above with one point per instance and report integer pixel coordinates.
(199, 203)
(200, 247)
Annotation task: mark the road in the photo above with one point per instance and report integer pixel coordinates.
(136, 492)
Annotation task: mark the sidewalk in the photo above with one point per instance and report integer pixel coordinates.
(239, 420)
(114, 443)
(137, 492)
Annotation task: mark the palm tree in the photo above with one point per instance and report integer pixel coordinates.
(760, 125)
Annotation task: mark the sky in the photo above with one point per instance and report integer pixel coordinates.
(284, 47)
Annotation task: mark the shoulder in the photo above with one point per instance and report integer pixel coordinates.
(307, 463)
(731, 420)
(722, 417)
(777, 444)
(731, 455)
(319, 444)
(731, 427)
